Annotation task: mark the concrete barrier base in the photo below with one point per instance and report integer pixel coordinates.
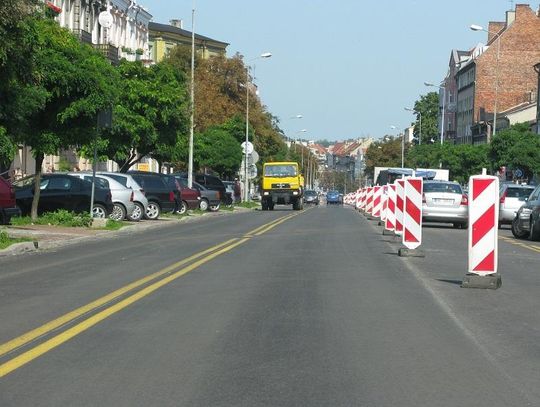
(491, 281)
(388, 232)
(404, 252)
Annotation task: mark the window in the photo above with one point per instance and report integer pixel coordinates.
(59, 184)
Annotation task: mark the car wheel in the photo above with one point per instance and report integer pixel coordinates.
(214, 208)
(137, 214)
(183, 208)
(153, 210)
(203, 206)
(517, 231)
(118, 213)
(99, 211)
(534, 232)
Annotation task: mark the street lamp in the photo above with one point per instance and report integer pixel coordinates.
(497, 35)
(420, 117)
(192, 99)
(443, 108)
(246, 179)
(402, 147)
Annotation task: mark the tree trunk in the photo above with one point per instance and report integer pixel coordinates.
(37, 182)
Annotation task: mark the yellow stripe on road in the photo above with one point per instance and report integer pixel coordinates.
(80, 312)
(521, 244)
(52, 343)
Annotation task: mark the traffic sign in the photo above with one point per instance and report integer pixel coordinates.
(105, 19)
(249, 147)
(255, 157)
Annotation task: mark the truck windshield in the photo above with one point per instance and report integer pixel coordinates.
(280, 171)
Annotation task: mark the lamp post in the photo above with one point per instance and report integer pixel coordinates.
(192, 99)
(402, 147)
(443, 107)
(246, 177)
(420, 118)
(497, 35)
(288, 139)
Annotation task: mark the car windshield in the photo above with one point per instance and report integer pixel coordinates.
(520, 193)
(442, 187)
(312, 193)
(280, 171)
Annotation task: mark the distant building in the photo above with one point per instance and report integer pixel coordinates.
(164, 37)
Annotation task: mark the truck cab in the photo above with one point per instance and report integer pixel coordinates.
(282, 184)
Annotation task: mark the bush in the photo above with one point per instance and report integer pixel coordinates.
(61, 217)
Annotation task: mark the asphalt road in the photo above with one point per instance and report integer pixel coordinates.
(278, 308)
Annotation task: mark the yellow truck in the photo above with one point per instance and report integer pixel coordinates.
(282, 184)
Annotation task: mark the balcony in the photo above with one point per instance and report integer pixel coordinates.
(108, 51)
(84, 36)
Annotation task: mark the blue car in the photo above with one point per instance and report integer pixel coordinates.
(334, 198)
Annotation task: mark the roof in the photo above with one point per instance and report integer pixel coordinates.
(152, 26)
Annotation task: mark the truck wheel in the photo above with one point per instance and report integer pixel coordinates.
(271, 206)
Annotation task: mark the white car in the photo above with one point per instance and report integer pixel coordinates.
(139, 198)
(122, 196)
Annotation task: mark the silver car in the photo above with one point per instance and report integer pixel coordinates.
(139, 197)
(445, 202)
(122, 196)
(512, 197)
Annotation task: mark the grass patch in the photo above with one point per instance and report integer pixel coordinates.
(6, 241)
(58, 218)
(114, 224)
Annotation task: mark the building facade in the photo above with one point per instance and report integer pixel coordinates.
(498, 76)
(164, 37)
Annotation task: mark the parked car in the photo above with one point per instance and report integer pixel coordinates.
(162, 197)
(122, 196)
(213, 183)
(62, 191)
(512, 197)
(191, 197)
(445, 202)
(311, 197)
(256, 196)
(527, 220)
(8, 205)
(210, 199)
(333, 198)
(139, 197)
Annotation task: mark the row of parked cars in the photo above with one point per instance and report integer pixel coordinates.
(132, 196)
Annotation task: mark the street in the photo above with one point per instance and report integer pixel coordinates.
(273, 308)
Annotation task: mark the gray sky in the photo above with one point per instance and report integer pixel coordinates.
(348, 66)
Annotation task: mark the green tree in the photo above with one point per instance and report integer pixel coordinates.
(383, 153)
(67, 84)
(217, 149)
(428, 107)
(517, 147)
(151, 113)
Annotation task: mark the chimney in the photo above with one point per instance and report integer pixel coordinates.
(510, 17)
(177, 23)
(494, 27)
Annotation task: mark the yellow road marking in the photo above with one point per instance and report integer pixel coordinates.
(58, 322)
(521, 244)
(37, 351)
(52, 343)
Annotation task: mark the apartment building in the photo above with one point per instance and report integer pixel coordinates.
(497, 76)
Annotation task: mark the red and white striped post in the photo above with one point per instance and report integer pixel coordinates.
(377, 201)
(390, 221)
(483, 233)
(412, 218)
(400, 204)
(384, 203)
(369, 201)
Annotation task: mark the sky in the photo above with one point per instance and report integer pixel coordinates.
(349, 67)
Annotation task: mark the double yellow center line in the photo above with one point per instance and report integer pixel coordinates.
(515, 242)
(112, 302)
